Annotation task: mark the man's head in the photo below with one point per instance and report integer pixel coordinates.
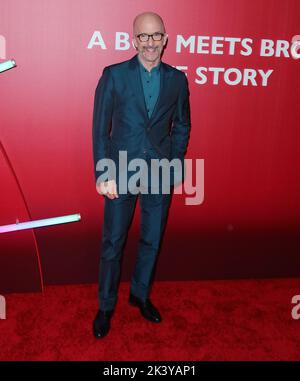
(144, 24)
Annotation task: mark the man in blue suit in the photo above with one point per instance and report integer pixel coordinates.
(141, 107)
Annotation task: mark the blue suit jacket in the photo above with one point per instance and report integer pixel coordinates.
(120, 118)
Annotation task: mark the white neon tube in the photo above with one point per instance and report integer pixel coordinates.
(7, 65)
(40, 223)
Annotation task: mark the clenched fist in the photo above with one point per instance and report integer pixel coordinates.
(108, 189)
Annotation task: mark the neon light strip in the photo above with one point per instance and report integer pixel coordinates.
(7, 65)
(40, 223)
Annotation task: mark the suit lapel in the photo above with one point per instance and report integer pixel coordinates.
(162, 88)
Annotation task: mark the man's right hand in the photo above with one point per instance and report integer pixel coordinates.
(108, 189)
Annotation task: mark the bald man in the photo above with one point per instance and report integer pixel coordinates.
(141, 107)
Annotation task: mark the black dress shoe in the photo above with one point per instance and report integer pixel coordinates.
(147, 309)
(101, 324)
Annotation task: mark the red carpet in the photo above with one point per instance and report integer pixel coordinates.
(204, 320)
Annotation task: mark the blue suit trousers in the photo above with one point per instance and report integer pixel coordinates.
(118, 215)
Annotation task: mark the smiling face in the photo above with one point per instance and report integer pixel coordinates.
(150, 51)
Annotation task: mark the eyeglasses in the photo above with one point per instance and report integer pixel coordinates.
(144, 37)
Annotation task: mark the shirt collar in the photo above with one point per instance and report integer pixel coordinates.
(153, 70)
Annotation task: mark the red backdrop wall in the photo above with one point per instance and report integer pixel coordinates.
(248, 136)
